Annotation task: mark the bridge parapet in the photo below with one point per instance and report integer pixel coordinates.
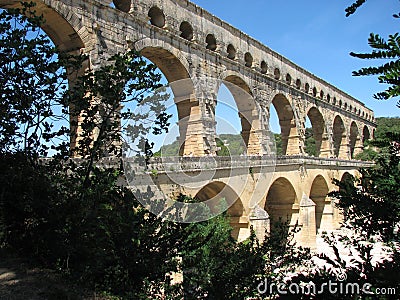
(185, 164)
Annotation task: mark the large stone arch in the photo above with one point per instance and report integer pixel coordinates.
(282, 202)
(175, 68)
(354, 140)
(319, 132)
(226, 195)
(68, 33)
(366, 134)
(288, 124)
(62, 25)
(247, 109)
(323, 206)
(339, 138)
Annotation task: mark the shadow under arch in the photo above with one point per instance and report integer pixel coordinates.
(319, 132)
(287, 122)
(353, 137)
(366, 134)
(227, 197)
(280, 202)
(339, 138)
(247, 110)
(319, 195)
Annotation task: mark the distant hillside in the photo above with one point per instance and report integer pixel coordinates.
(387, 130)
(232, 144)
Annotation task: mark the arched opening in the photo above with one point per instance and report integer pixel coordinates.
(298, 83)
(57, 27)
(314, 92)
(54, 79)
(229, 140)
(190, 141)
(334, 101)
(289, 142)
(321, 94)
(186, 31)
(328, 98)
(280, 203)
(288, 79)
(211, 42)
(264, 67)
(316, 143)
(366, 134)
(231, 51)
(323, 208)
(277, 74)
(225, 196)
(307, 88)
(157, 17)
(123, 5)
(248, 114)
(248, 59)
(353, 139)
(339, 138)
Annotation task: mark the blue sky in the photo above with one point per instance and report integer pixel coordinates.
(317, 36)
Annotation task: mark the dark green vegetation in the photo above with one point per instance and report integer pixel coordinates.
(75, 219)
(71, 216)
(387, 132)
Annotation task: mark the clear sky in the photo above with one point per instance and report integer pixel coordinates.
(316, 35)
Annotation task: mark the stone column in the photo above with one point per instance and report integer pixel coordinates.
(325, 150)
(193, 128)
(307, 235)
(260, 221)
(358, 147)
(344, 149)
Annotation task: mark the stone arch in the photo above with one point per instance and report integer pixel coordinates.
(231, 51)
(339, 138)
(247, 109)
(366, 134)
(157, 17)
(281, 202)
(236, 211)
(319, 132)
(353, 138)
(248, 59)
(123, 5)
(307, 88)
(314, 92)
(287, 122)
(277, 74)
(323, 210)
(62, 25)
(298, 83)
(264, 67)
(288, 79)
(211, 42)
(189, 112)
(186, 30)
(68, 33)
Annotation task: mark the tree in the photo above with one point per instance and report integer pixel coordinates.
(72, 215)
(388, 73)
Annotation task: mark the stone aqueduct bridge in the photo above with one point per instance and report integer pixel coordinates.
(187, 42)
